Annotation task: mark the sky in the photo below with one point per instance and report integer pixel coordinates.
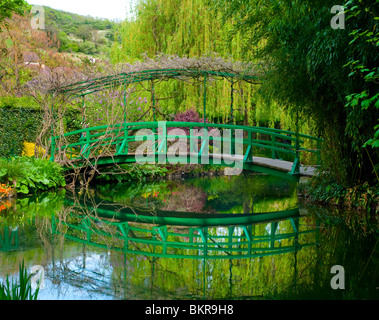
(109, 9)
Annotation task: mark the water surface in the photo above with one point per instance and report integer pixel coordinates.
(238, 237)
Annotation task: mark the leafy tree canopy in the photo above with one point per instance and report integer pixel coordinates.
(324, 73)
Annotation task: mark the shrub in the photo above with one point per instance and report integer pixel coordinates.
(21, 121)
(190, 115)
(29, 175)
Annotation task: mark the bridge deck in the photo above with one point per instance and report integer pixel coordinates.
(283, 165)
(277, 164)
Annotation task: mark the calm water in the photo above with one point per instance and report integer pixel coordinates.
(239, 237)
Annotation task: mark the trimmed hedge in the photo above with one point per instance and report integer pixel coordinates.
(21, 121)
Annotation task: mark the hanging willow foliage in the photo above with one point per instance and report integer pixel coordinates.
(192, 28)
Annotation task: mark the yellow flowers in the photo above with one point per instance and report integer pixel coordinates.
(30, 149)
(147, 194)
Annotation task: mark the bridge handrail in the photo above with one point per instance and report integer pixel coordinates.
(120, 131)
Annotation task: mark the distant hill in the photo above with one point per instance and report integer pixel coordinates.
(77, 33)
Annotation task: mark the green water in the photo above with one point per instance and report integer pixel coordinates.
(238, 237)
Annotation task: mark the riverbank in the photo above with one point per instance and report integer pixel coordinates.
(323, 189)
(356, 206)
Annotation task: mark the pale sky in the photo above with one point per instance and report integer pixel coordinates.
(109, 9)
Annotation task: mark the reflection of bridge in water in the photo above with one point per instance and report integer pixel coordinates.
(204, 246)
(181, 240)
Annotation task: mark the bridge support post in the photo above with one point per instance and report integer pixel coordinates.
(249, 151)
(319, 142)
(274, 227)
(162, 138)
(274, 153)
(247, 232)
(86, 151)
(205, 100)
(124, 146)
(296, 164)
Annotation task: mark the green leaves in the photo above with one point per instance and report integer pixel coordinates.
(363, 105)
(31, 174)
(374, 142)
(127, 172)
(8, 7)
(3, 172)
(21, 290)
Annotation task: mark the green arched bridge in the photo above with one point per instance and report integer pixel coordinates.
(239, 147)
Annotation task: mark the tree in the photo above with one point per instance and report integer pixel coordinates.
(364, 69)
(8, 7)
(84, 32)
(189, 28)
(308, 71)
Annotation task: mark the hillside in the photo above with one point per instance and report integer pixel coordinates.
(77, 33)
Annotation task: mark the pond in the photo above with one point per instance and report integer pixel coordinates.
(221, 237)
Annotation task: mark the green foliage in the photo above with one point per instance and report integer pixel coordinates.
(325, 189)
(30, 175)
(20, 120)
(18, 102)
(131, 172)
(27, 209)
(186, 28)
(363, 64)
(66, 45)
(8, 7)
(72, 28)
(307, 70)
(84, 32)
(87, 48)
(21, 290)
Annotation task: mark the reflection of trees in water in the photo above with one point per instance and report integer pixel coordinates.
(188, 199)
(305, 273)
(297, 274)
(235, 194)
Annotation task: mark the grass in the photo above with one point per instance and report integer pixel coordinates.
(21, 290)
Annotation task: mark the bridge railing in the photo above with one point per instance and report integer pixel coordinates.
(123, 139)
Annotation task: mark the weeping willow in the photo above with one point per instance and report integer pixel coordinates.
(190, 28)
